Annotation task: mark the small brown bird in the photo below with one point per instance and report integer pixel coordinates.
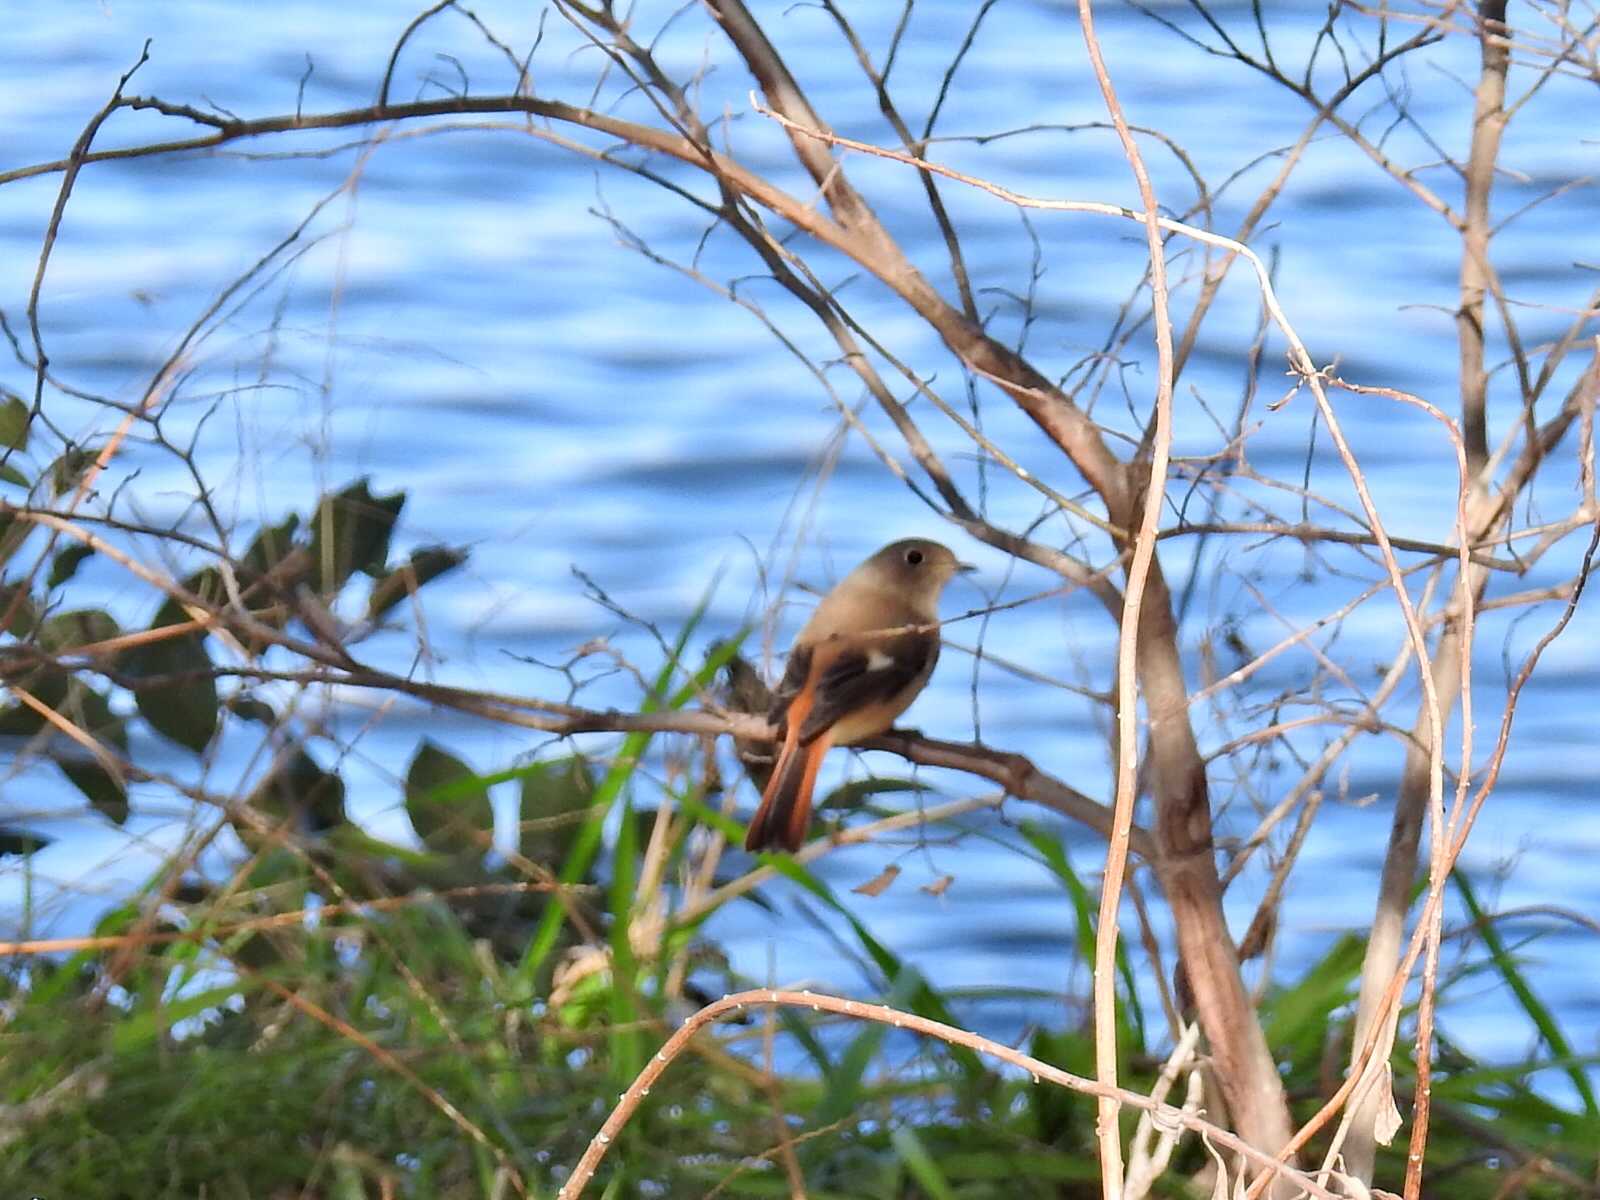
(856, 666)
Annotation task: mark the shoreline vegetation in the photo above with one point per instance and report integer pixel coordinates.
(290, 1005)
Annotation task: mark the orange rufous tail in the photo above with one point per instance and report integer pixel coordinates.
(785, 812)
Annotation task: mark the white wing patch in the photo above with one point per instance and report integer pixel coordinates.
(877, 660)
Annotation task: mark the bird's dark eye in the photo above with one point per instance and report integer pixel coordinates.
(914, 557)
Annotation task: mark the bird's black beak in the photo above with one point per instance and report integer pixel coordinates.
(965, 568)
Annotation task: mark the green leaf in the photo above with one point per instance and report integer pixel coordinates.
(150, 1024)
(205, 584)
(15, 417)
(80, 627)
(90, 711)
(350, 533)
(47, 684)
(272, 545)
(1296, 1018)
(920, 1165)
(26, 615)
(846, 1080)
(300, 788)
(552, 794)
(1056, 1116)
(587, 844)
(9, 474)
(848, 797)
(105, 789)
(1505, 963)
(65, 564)
(13, 533)
(183, 708)
(273, 567)
(67, 470)
(21, 842)
(447, 802)
(105, 793)
(624, 1039)
(1013, 1164)
(1088, 914)
(425, 564)
(250, 709)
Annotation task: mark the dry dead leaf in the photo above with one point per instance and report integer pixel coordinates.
(1387, 1122)
(880, 884)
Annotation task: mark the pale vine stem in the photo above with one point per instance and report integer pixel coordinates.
(1041, 1072)
(1107, 1130)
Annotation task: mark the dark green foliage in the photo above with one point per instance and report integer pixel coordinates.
(13, 533)
(441, 988)
(858, 793)
(69, 469)
(15, 418)
(202, 1079)
(297, 789)
(173, 687)
(271, 547)
(554, 795)
(249, 708)
(98, 779)
(66, 563)
(81, 627)
(21, 841)
(448, 804)
(16, 608)
(350, 532)
(171, 679)
(425, 564)
(46, 683)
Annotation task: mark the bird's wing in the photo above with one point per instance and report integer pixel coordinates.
(855, 677)
(794, 679)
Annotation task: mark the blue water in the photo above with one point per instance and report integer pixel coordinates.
(462, 323)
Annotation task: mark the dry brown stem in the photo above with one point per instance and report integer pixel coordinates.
(629, 1103)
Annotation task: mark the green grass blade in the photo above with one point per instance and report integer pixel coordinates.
(1541, 1016)
(920, 1164)
(1086, 910)
(586, 845)
(626, 1041)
